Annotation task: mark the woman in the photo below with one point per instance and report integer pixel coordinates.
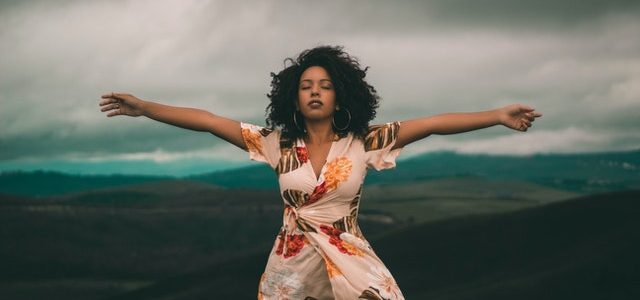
(320, 144)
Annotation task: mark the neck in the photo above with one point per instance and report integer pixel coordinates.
(319, 132)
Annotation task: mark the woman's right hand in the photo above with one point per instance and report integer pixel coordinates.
(121, 104)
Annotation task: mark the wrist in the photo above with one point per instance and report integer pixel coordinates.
(498, 114)
(144, 107)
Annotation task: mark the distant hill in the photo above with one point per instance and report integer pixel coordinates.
(47, 183)
(92, 244)
(580, 173)
(585, 248)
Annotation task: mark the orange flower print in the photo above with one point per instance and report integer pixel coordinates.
(353, 240)
(337, 171)
(252, 140)
(302, 154)
(334, 239)
(332, 269)
(351, 249)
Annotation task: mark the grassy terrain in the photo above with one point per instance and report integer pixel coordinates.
(584, 248)
(433, 200)
(185, 240)
(93, 244)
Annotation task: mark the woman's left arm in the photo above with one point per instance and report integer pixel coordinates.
(515, 116)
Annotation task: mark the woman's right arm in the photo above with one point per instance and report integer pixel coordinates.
(184, 117)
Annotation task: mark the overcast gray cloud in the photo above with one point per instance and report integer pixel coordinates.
(578, 62)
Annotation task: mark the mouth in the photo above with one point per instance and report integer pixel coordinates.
(315, 103)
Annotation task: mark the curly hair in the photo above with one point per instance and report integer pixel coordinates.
(352, 91)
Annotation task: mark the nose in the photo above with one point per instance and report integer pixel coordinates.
(315, 90)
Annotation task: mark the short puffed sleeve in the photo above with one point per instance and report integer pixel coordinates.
(263, 144)
(378, 143)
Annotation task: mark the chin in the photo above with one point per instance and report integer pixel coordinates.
(317, 116)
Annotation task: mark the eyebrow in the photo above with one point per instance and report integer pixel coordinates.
(309, 80)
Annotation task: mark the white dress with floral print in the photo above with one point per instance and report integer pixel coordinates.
(320, 252)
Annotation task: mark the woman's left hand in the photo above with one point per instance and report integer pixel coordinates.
(517, 116)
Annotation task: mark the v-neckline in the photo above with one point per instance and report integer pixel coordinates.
(326, 160)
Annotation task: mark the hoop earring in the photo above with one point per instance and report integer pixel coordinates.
(295, 121)
(348, 122)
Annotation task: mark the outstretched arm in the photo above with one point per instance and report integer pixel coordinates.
(516, 116)
(184, 117)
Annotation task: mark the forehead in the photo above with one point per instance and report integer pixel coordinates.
(315, 73)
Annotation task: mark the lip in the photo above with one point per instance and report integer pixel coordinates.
(315, 101)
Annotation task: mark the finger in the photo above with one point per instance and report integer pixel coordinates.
(110, 107)
(115, 112)
(105, 102)
(529, 117)
(106, 108)
(112, 95)
(109, 101)
(527, 108)
(523, 125)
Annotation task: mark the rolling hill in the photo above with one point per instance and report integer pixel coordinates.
(584, 248)
(578, 173)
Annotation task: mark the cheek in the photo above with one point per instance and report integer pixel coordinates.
(301, 94)
(298, 99)
(332, 97)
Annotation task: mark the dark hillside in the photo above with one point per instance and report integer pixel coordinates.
(585, 248)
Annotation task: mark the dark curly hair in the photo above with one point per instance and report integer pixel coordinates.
(352, 91)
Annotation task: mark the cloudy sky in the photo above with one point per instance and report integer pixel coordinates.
(577, 62)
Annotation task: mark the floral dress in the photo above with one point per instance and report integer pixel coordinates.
(320, 252)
